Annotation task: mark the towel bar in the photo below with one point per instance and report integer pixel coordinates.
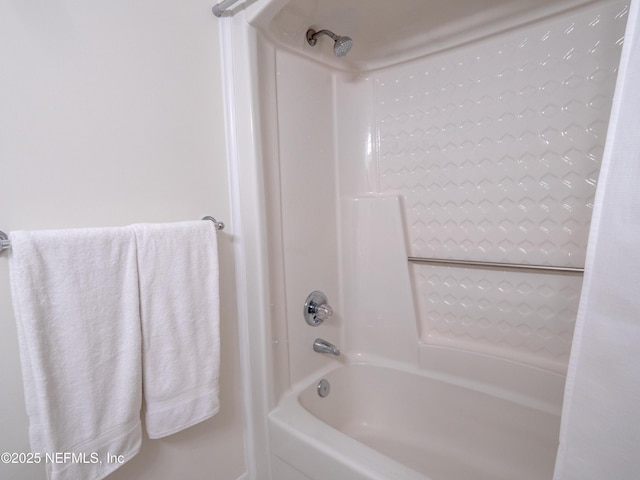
(5, 243)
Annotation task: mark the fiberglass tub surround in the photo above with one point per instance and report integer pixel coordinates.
(494, 149)
(476, 137)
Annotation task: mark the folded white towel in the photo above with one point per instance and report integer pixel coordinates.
(75, 297)
(179, 305)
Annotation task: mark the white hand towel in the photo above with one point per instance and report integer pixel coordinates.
(179, 305)
(76, 302)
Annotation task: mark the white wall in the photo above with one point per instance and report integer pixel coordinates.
(111, 113)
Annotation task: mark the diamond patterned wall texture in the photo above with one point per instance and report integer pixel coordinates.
(495, 148)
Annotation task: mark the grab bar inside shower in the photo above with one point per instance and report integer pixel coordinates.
(498, 265)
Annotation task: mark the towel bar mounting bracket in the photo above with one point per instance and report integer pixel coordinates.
(219, 225)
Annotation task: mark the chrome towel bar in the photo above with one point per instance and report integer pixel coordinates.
(5, 243)
(498, 265)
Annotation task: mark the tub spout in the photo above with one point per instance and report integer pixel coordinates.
(322, 346)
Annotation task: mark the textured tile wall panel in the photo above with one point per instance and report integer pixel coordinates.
(525, 316)
(495, 148)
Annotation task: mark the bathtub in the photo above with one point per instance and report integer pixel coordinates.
(380, 423)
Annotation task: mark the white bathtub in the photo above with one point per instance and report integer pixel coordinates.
(384, 423)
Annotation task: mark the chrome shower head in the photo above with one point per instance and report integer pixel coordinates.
(341, 46)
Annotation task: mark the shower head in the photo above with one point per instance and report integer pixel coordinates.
(341, 46)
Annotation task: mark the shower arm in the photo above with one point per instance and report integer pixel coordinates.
(219, 8)
(312, 38)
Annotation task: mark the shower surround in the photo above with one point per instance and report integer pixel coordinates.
(494, 149)
(475, 137)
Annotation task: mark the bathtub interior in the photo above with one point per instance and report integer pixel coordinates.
(474, 149)
(440, 428)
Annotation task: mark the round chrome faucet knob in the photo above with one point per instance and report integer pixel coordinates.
(316, 308)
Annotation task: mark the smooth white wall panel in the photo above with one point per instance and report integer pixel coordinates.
(308, 199)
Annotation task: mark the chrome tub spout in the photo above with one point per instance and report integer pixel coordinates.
(322, 346)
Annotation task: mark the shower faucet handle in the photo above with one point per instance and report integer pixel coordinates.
(316, 308)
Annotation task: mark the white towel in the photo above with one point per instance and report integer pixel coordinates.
(76, 302)
(179, 305)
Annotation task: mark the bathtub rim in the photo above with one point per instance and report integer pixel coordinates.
(519, 382)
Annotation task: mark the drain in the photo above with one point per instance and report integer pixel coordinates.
(323, 388)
